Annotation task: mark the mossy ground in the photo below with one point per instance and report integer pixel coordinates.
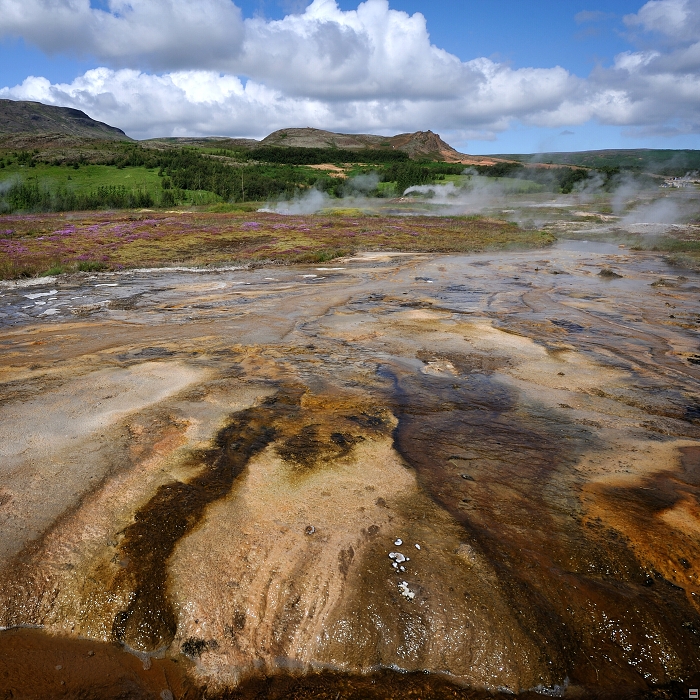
(41, 243)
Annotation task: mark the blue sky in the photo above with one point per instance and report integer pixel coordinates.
(502, 76)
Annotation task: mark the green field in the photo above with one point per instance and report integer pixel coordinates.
(85, 178)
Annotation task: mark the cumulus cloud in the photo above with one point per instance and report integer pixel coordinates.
(677, 20)
(364, 53)
(175, 67)
(174, 104)
(209, 103)
(158, 34)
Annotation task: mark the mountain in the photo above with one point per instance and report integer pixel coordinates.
(37, 119)
(35, 125)
(420, 144)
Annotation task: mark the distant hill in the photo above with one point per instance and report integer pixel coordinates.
(659, 161)
(33, 125)
(202, 141)
(420, 144)
(36, 119)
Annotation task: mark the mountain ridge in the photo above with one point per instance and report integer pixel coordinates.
(18, 118)
(25, 124)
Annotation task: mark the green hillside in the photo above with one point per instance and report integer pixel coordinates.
(18, 117)
(668, 162)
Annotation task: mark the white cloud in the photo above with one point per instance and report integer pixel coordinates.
(159, 34)
(369, 52)
(677, 20)
(207, 102)
(174, 104)
(369, 69)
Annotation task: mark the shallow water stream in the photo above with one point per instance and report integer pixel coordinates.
(210, 470)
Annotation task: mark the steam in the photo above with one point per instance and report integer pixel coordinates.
(593, 207)
(478, 195)
(355, 192)
(310, 202)
(662, 211)
(363, 184)
(6, 184)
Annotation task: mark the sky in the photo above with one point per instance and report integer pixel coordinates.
(496, 76)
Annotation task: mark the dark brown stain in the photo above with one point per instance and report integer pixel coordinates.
(149, 623)
(312, 446)
(690, 463)
(345, 559)
(576, 591)
(386, 684)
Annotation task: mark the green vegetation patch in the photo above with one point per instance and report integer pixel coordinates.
(297, 155)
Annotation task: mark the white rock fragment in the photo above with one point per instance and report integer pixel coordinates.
(417, 546)
(402, 568)
(37, 295)
(398, 542)
(405, 591)
(397, 557)
(395, 565)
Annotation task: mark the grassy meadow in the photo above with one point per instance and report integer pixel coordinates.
(85, 178)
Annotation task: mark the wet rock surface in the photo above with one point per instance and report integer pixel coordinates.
(300, 483)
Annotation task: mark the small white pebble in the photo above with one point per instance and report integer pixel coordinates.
(401, 568)
(395, 565)
(405, 592)
(398, 542)
(417, 546)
